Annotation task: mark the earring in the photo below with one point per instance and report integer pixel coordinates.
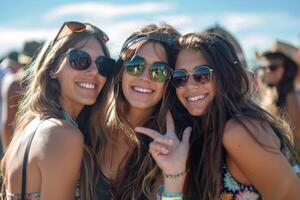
(52, 75)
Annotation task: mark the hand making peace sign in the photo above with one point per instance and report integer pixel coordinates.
(167, 150)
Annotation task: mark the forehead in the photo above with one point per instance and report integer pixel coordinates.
(189, 58)
(152, 52)
(91, 45)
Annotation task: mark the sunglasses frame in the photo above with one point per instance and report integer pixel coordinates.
(103, 70)
(271, 67)
(144, 68)
(188, 74)
(69, 27)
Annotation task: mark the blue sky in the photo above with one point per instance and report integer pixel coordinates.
(256, 24)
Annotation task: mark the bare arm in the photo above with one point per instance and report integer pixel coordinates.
(59, 160)
(269, 172)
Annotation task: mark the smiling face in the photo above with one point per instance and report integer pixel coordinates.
(140, 91)
(79, 88)
(194, 96)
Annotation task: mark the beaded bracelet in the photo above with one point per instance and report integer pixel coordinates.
(175, 175)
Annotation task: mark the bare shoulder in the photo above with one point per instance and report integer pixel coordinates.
(248, 131)
(293, 100)
(56, 137)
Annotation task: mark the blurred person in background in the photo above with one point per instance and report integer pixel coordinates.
(280, 71)
(8, 70)
(10, 92)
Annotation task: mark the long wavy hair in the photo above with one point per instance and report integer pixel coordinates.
(40, 90)
(232, 101)
(110, 119)
(287, 83)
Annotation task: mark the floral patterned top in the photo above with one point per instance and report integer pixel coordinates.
(234, 190)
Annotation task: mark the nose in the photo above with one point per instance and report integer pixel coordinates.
(191, 83)
(145, 76)
(92, 68)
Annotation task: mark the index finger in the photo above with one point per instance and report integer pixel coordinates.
(147, 131)
(170, 122)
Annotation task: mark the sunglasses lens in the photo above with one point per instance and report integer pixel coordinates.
(79, 60)
(105, 65)
(273, 67)
(76, 26)
(135, 66)
(202, 74)
(159, 72)
(179, 78)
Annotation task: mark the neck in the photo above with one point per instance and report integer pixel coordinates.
(72, 110)
(138, 117)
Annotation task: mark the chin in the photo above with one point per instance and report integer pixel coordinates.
(197, 112)
(89, 102)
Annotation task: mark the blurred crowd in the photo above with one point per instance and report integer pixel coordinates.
(12, 66)
(276, 82)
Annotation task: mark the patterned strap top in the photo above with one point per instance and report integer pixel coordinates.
(234, 190)
(37, 195)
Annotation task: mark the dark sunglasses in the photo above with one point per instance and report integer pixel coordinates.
(81, 60)
(201, 74)
(271, 67)
(159, 71)
(77, 27)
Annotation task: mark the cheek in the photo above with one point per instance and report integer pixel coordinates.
(125, 80)
(160, 89)
(180, 96)
(102, 80)
(280, 72)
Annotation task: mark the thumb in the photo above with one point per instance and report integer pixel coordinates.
(186, 136)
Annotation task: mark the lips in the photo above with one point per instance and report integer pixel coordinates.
(142, 90)
(196, 98)
(86, 85)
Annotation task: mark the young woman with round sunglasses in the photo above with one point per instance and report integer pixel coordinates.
(123, 161)
(44, 160)
(237, 150)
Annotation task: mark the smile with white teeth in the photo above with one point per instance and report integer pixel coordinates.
(142, 90)
(196, 98)
(87, 85)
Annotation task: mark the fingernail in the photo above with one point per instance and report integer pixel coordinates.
(165, 151)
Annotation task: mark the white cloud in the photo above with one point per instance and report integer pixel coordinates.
(174, 20)
(106, 10)
(12, 38)
(240, 21)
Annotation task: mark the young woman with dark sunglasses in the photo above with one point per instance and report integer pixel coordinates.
(123, 161)
(237, 150)
(68, 74)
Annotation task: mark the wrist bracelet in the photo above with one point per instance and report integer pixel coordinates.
(171, 198)
(160, 195)
(175, 175)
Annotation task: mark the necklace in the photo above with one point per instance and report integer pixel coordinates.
(67, 116)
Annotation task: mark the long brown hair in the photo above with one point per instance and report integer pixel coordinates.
(232, 100)
(110, 117)
(41, 90)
